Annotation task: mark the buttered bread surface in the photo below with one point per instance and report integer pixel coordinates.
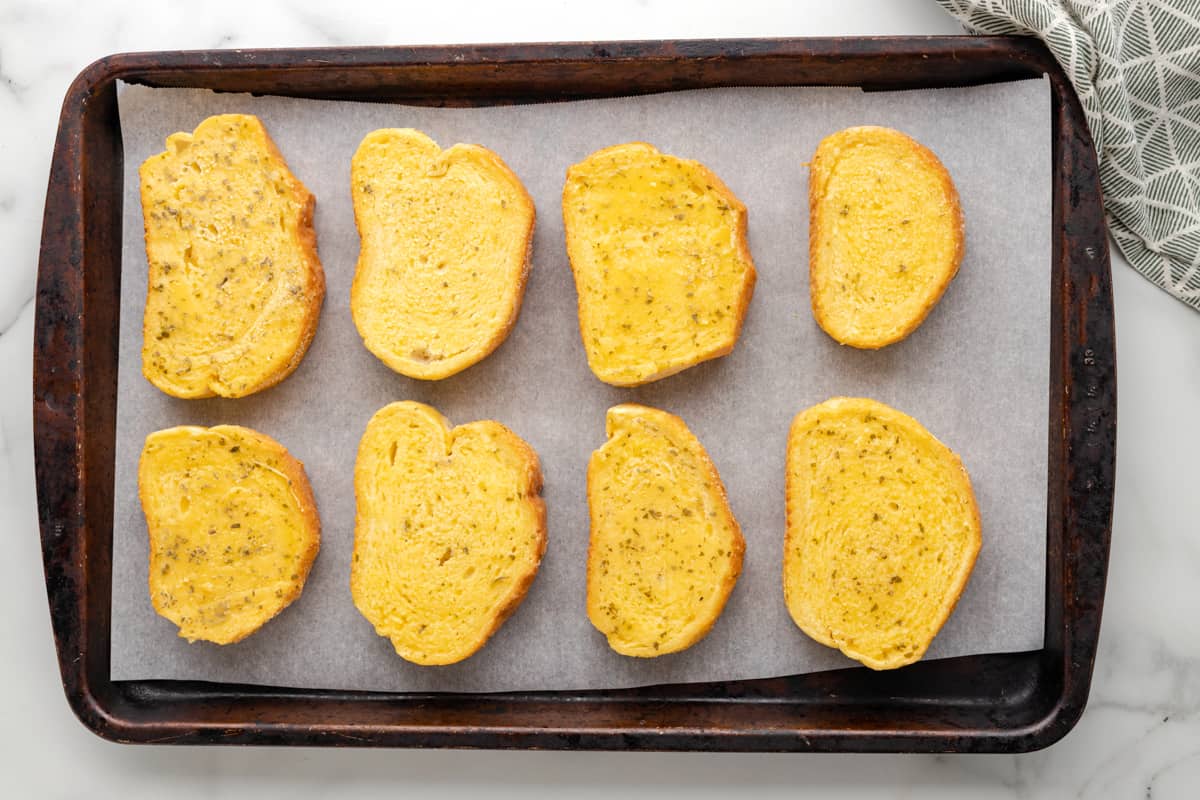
(662, 267)
(446, 238)
(233, 529)
(882, 531)
(235, 286)
(449, 533)
(885, 235)
(665, 550)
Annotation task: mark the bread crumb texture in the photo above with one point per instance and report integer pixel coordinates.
(446, 238)
(233, 529)
(665, 549)
(885, 235)
(882, 531)
(450, 530)
(662, 267)
(235, 286)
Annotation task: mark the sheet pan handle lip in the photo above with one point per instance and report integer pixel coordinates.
(59, 394)
(1086, 450)
(60, 385)
(1026, 57)
(1016, 49)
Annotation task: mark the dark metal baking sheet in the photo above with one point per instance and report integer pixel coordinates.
(1005, 702)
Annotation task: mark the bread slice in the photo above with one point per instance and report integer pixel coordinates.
(446, 238)
(665, 550)
(882, 531)
(449, 533)
(885, 235)
(235, 286)
(233, 529)
(662, 267)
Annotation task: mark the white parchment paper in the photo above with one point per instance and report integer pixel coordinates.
(975, 373)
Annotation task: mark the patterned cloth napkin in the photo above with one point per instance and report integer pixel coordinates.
(1136, 67)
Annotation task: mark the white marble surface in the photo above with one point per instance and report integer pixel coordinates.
(1140, 736)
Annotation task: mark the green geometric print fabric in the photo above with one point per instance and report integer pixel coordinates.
(1135, 65)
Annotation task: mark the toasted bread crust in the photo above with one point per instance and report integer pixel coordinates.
(822, 165)
(807, 614)
(293, 469)
(359, 583)
(533, 493)
(735, 553)
(306, 246)
(376, 341)
(576, 240)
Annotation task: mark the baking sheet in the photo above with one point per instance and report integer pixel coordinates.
(975, 373)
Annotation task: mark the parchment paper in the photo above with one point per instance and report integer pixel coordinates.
(975, 374)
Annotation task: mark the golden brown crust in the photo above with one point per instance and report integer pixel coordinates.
(794, 522)
(316, 295)
(532, 498)
(743, 245)
(736, 551)
(451, 366)
(820, 169)
(293, 468)
(523, 278)
(307, 245)
(751, 277)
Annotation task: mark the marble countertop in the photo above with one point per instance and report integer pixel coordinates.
(1140, 735)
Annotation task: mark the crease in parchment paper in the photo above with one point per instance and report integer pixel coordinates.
(975, 374)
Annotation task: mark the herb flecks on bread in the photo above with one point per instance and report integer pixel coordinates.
(446, 238)
(662, 267)
(882, 531)
(665, 549)
(885, 235)
(233, 529)
(449, 532)
(235, 286)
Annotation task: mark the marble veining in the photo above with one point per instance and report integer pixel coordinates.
(1139, 738)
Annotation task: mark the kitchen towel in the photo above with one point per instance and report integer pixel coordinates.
(1135, 65)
